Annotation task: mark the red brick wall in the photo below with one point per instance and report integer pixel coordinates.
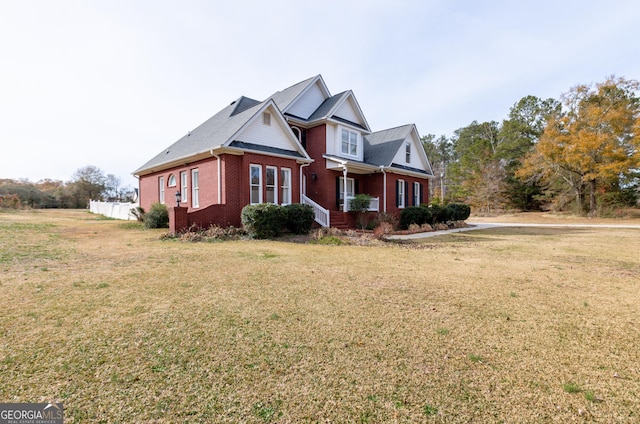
(207, 175)
(323, 189)
(235, 187)
(391, 191)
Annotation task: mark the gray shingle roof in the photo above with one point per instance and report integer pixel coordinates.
(382, 146)
(327, 106)
(214, 132)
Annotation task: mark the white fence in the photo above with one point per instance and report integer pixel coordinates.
(113, 209)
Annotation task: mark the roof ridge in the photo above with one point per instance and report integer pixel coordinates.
(393, 128)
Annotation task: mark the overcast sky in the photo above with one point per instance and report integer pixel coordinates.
(111, 83)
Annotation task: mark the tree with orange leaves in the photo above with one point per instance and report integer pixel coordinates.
(593, 143)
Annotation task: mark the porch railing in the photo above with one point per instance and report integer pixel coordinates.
(374, 204)
(321, 215)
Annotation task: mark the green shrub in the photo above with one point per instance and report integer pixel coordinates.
(157, 217)
(459, 211)
(264, 220)
(417, 215)
(439, 214)
(360, 206)
(299, 218)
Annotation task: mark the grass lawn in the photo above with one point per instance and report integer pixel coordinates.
(501, 325)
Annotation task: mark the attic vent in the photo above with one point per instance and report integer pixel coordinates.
(266, 119)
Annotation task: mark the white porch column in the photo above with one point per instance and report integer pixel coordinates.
(384, 190)
(345, 205)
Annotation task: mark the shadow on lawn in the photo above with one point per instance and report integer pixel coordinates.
(493, 234)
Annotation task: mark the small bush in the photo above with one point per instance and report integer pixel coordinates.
(382, 230)
(417, 215)
(138, 212)
(360, 206)
(157, 217)
(387, 218)
(299, 218)
(264, 220)
(459, 211)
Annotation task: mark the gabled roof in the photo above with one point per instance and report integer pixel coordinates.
(381, 147)
(285, 98)
(217, 131)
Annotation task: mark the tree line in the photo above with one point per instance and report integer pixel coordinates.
(580, 153)
(87, 183)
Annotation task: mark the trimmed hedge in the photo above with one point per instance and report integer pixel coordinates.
(414, 215)
(267, 220)
(433, 214)
(460, 211)
(299, 218)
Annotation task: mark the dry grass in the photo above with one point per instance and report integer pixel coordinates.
(502, 325)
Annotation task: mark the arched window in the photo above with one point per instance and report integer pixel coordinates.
(172, 180)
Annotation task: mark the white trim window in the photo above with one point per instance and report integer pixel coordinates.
(172, 181)
(285, 186)
(255, 183)
(408, 153)
(266, 119)
(195, 189)
(271, 184)
(349, 142)
(184, 186)
(416, 194)
(161, 189)
(401, 193)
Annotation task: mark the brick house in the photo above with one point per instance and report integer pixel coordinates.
(301, 145)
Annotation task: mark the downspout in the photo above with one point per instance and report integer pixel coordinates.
(384, 189)
(302, 165)
(219, 176)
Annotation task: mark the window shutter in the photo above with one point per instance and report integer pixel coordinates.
(413, 195)
(356, 188)
(421, 194)
(397, 193)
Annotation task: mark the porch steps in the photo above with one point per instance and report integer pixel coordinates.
(338, 220)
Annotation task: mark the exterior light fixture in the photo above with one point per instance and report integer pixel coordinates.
(178, 197)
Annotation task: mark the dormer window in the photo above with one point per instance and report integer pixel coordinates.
(349, 142)
(408, 154)
(266, 119)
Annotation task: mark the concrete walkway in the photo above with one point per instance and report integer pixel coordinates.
(486, 225)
